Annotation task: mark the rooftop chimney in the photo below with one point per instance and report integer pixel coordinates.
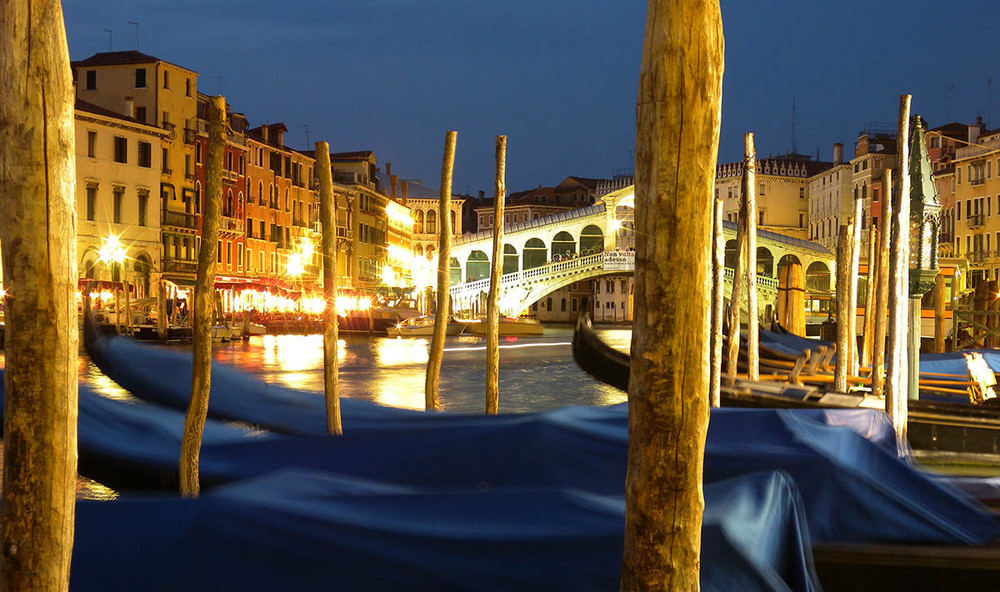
(264, 133)
(838, 153)
(392, 182)
(402, 191)
(129, 107)
(975, 130)
(388, 169)
(482, 194)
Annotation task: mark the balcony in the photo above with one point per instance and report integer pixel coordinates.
(179, 266)
(179, 220)
(979, 181)
(171, 130)
(190, 135)
(230, 177)
(974, 221)
(230, 224)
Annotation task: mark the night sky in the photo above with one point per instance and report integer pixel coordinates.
(558, 78)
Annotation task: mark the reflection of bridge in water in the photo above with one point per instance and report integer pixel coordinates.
(543, 255)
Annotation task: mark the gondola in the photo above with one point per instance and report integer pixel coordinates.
(936, 426)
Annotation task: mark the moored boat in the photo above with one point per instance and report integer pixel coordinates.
(509, 327)
(423, 327)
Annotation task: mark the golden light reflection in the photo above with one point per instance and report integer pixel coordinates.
(401, 352)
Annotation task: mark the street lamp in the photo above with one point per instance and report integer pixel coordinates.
(112, 253)
(925, 220)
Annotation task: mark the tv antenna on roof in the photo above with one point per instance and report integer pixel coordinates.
(136, 33)
(306, 127)
(219, 79)
(108, 31)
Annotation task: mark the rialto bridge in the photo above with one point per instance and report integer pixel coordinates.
(541, 256)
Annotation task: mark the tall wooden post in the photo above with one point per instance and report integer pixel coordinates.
(843, 365)
(736, 295)
(38, 233)
(796, 300)
(128, 302)
(869, 327)
(431, 399)
(203, 301)
(493, 302)
(991, 319)
(677, 135)
(161, 308)
(328, 220)
(882, 288)
(939, 314)
(897, 380)
(718, 304)
(750, 196)
(852, 317)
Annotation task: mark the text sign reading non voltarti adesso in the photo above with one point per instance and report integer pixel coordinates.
(619, 260)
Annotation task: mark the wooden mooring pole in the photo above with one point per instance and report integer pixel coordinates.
(718, 303)
(38, 233)
(432, 401)
(496, 270)
(203, 308)
(750, 196)
(677, 135)
(843, 366)
(882, 288)
(328, 220)
(897, 383)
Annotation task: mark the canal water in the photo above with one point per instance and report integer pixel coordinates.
(536, 373)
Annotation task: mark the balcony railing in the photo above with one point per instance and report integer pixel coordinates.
(179, 219)
(171, 130)
(190, 135)
(978, 181)
(974, 221)
(230, 176)
(230, 224)
(180, 265)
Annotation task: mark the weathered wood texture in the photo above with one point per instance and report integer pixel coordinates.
(844, 310)
(677, 135)
(38, 232)
(718, 303)
(939, 314)
(897, 380)
(736, 294)
(203, 298)
(750, 199)
(328, 219)
(496, 270)
(869, 325)
(852, 298)
(882, 288)
(431, 398)
(796, 300)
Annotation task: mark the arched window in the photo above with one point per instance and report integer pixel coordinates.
(418, 251)
(454, 227)
(477, 267)
(509, 259)
(535, 254)
(430, 226)
(418, 224)
(563, 245)
(227, 209)
(591, 240)
(260, 192)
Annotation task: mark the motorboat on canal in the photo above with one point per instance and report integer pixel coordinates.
(509, 326)
(423, 327)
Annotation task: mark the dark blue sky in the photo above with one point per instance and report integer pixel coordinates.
(557, 77)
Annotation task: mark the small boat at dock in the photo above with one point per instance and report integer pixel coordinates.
(423, 327)
(509, 327)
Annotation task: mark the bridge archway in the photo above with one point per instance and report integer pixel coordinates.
(535, 253)
(591, 239)
(510, 263)
(818, 277)
(563, 245)
(731, 254)
(477, 267)
(765, 262)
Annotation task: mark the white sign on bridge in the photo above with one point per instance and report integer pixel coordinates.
(619, 260)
